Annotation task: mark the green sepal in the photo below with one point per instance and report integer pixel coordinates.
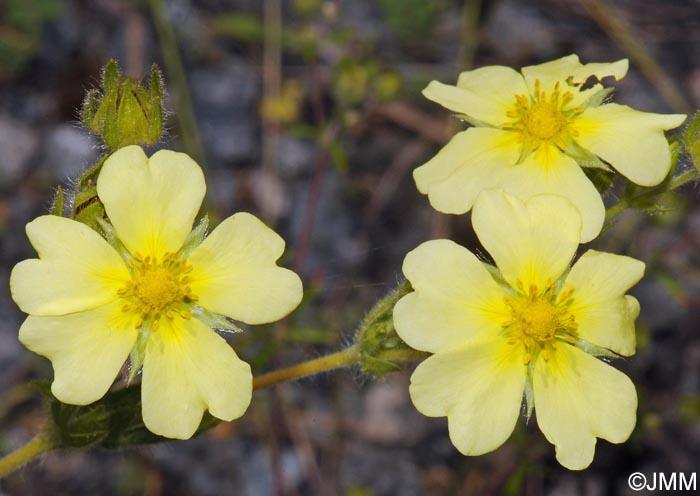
(110, 235)
(113, 421)
(138, 352)
(597, 99)
(195, 237)
(584, 157)
(497, 276)
(472, 121)
(691, 140)
(111, 76)
(91, 209)
(87, 207)
(595, 350)
(380, 347)
(58, 202)
(378, 367)
(154, 102)
(529, 394)
(88, 112)
(214, 320)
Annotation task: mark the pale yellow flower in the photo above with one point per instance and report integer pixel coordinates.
(533, 132)
(89, 302)
(524, 327)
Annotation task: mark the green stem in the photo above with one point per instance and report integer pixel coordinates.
(343, 358)
(674, 183)
(39, 444)
(174, 68)
(682, 179)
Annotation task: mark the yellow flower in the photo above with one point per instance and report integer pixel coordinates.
(525, 327)
(90, 304)
(534, 130)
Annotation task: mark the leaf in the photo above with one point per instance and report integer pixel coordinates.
(114, 421)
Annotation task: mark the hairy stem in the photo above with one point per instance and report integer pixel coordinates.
(674, 183)
(36, 446)
(343, 358)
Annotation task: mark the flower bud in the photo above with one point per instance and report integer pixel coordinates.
(125, 112)
(381, 349)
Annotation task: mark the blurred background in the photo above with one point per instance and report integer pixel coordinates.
(308, 113)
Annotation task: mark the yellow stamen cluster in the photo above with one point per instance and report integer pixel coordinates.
(540, 318)
(157, 288)
(543, 118)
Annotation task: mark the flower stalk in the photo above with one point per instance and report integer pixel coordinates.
(39, 444)
(339, 359)
(643, 197)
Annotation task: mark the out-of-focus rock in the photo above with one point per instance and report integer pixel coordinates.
(18, 143)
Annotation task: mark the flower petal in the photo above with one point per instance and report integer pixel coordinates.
(604, 315)
(531, 242)
(472, 161)
(632, 141)
(548, 171)
(571, 75)
(235, 273)
(455, 299)
(579, 398)
(479, 387)
(152, 202)
(189, 368)
(87, 349)
(484, 94)
(77, 269)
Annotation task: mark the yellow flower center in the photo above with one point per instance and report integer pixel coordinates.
(157, 288)
(543, 119)
(538, 319)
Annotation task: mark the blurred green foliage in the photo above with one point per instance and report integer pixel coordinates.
(21, 23)
(413, 21)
